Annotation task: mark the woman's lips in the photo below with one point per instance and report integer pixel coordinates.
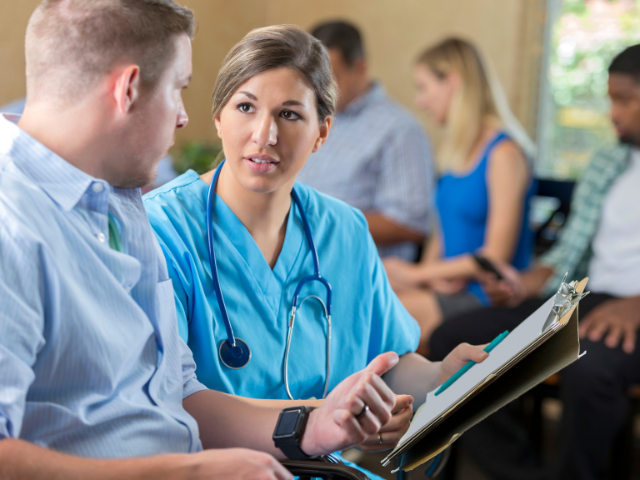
(260, 163)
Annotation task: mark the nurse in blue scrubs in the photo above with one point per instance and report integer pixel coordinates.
(273, 105)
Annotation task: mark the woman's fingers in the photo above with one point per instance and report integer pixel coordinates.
(399, 421)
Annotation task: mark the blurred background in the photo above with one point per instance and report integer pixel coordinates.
(550, 55)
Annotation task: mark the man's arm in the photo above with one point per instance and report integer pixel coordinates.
(226, 421)
(404, 187)
(20, 460)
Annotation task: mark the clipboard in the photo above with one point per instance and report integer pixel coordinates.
(542, 345)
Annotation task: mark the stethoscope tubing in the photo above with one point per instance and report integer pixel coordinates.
(235, 350)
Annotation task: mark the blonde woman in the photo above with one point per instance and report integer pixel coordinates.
(482, 192)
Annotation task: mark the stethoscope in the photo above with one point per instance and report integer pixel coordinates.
(234, 352)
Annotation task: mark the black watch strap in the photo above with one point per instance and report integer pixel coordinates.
(290, 443)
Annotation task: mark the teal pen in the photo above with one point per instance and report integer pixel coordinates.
(463, 370)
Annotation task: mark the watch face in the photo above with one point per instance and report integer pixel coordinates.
(288, 423)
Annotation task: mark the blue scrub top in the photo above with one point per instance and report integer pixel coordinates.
(367, 317)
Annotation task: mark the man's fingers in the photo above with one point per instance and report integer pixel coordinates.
(613, 337)
(351, 428)
(379, 412)
(383, 363)
(597, 330)
(280, 472)
(629, 342)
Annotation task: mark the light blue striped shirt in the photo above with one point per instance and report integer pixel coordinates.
(91, 362)
(377, 158)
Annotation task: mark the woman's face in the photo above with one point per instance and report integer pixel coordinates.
(433, 95)
(269, 128)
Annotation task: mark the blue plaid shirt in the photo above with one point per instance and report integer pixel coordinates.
(377, 158)
(91, 362)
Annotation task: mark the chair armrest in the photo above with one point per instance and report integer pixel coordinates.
(328, 471)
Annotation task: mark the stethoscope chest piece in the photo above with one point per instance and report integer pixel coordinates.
(235, 357)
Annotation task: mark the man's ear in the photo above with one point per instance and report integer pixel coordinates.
(361, 67)
(325, 127)
(218, 124)
(127, 88)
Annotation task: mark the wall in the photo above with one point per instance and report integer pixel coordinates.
(508, 31)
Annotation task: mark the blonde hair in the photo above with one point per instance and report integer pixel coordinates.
(478, 102)
(273, 47)
(71, 44)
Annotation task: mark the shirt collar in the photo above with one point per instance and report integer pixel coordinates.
(375, 93)
(63, 182)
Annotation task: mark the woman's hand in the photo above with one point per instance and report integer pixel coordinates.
(354, 410)
(509, 291)
(402, 275)
(458, 358)
(391, 433)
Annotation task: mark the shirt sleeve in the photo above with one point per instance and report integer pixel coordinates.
(575, 237)
(21, 325)
(392, 327)
(406, 181)
(190, 382)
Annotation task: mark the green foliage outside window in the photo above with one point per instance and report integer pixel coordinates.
(198, 156)
(584, 39)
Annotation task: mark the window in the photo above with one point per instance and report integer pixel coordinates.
(583, 37)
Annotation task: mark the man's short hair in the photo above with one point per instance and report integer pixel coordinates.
(342, 36)
(627, 62)
(71, 44)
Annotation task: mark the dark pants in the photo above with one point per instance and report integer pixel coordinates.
(592, 389)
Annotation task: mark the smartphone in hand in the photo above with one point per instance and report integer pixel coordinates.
(487, 266)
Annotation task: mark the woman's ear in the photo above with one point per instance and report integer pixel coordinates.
(325, 127)
(218, 124)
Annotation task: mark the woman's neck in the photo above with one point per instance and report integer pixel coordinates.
(263, 214)
(486, 133)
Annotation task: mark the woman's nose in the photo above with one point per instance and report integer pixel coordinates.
(266, 132)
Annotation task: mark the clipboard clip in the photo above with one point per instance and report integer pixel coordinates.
(564, 300)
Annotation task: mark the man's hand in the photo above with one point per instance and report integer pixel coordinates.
(234, 464)
(391, 433)
(402, 275)
(616, 320)
(458, 358)
(338, 423)
(507, 292)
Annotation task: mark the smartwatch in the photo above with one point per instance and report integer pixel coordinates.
(288, 432)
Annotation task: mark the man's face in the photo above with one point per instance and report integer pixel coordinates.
(151, 128)
(348, 78)
(624, 91)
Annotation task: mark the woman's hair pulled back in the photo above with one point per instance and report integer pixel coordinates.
(274, 47)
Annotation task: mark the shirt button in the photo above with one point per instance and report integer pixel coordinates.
(101, 238)
(97, 187)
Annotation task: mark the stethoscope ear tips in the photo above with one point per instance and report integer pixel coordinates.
(235, 357)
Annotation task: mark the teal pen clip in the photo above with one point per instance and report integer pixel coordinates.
(463, 370)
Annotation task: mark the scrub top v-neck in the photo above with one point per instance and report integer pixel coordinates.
(367, 319)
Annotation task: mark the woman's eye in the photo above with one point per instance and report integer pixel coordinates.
(245, 108)
(289, 115)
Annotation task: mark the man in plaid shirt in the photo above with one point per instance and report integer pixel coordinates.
(601, 240)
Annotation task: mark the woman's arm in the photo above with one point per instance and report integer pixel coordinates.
(507, 181)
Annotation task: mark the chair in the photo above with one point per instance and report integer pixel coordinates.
(306, 470)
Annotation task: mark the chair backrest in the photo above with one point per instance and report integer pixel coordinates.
(547, 231)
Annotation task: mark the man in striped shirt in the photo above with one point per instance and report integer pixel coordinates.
(377, 157)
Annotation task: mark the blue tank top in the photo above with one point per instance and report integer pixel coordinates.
(463, 205)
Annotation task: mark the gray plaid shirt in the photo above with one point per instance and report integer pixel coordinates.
(572, 252)
(377, 158)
